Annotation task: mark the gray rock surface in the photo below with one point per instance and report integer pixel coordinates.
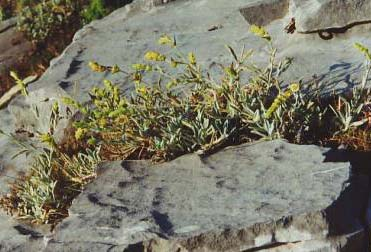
(245, 197)
(268, 197)
(322, 14)
(125, 35)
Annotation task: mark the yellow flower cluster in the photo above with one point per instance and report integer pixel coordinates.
(166, 40)
(142, 67)
(137, 77)
(142, 90)
(94, 66)
(281, 99)
(48, 139)
(115, 69)
(80, 133)
(154, 56)
(260, 32)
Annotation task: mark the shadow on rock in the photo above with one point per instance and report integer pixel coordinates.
(348, 214)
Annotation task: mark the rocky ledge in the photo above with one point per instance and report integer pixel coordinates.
(270, 196)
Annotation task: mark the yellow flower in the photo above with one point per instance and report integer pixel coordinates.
(48, 139)
(102, 122)
(123, 119)
(173, 63)
(141, 67)
(260, 32)
(154, 56)
(142, 90)
(116, 94)
(115, 69)
(280, 99)
(137, 77)
(166, 40)
(287, 94)
(80, 133)
(363, 50)
(294, 87)
(108, 85)
(96, 67)
(192, 58)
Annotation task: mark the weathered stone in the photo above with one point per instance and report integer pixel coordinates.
(265, 12)
(124, 36)
(273, 196)
(18, 237)
(241, 198)
(8, 23)
(324, 14)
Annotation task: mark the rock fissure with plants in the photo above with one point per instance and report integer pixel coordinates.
(158, 122)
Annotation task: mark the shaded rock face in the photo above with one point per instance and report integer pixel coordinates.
(270, 196)
(14, 48)
(263, 13)
(310, 15)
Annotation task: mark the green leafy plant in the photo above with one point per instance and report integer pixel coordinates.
(95, 10)
(39, 22)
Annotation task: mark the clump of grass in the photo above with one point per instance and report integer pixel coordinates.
(159, 123)
(55, 178)
(185, 110)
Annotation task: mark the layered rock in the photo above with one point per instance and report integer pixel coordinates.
(270, 196)
(324, 14)
(254, 196)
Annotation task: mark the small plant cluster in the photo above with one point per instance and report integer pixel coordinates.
(55, 178)
(40, 19)
(50, 25)
(185, 110)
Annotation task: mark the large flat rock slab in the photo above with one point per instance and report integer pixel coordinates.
(133, 30)
(241, 198)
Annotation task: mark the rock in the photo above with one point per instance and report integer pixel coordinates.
(13, 46)
(270, 196)
(18, 237)
(245, 197)
(263, 13)
(8, 23)
(324, 14)
(124, 36)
